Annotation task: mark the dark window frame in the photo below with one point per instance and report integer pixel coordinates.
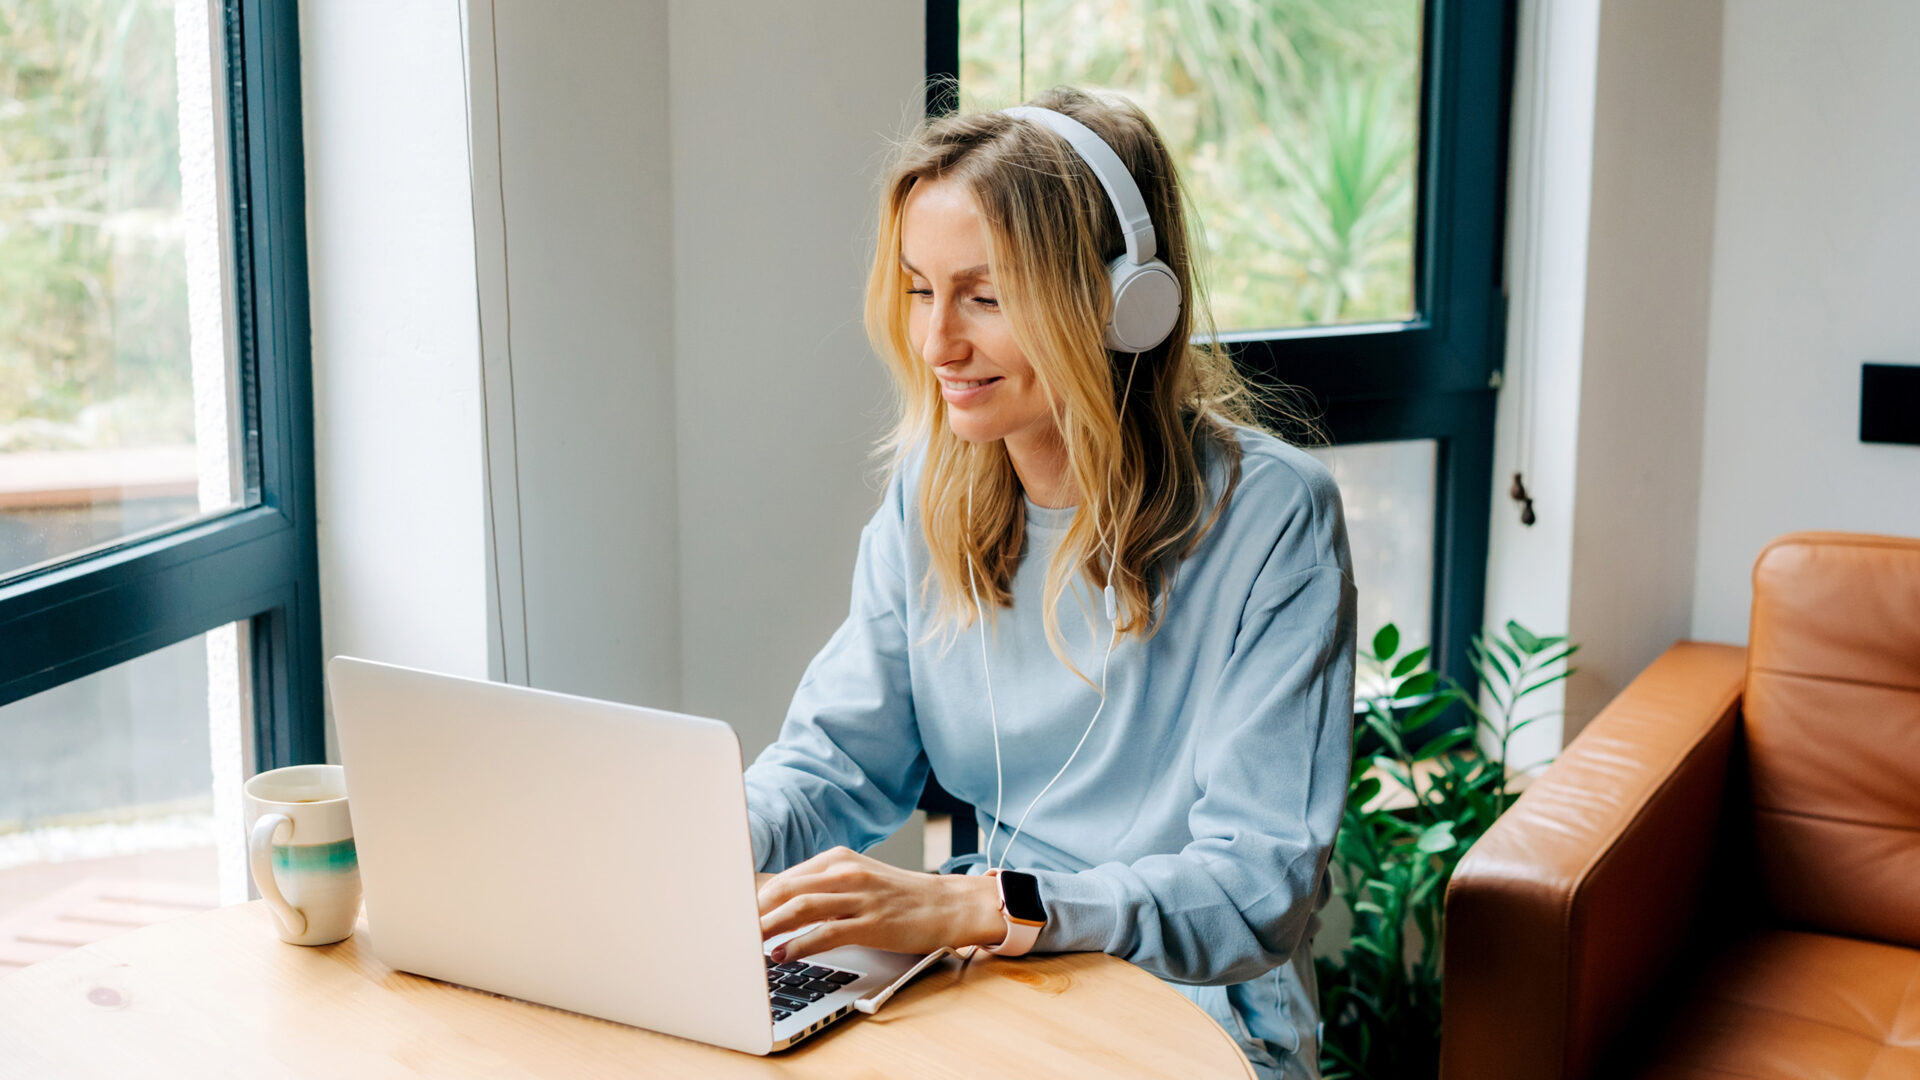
(1433, 377)
(258, 562)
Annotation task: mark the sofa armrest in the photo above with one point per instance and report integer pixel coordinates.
(1565, 913)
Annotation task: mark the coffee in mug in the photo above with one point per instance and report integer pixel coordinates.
(300, 849)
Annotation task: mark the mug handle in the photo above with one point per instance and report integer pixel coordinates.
(260, 858)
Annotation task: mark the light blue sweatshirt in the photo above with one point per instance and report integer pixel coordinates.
(1191, 834)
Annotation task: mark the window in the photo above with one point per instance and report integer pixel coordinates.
(117, 792)
(1295, 126)
(1346, 159)
(159, 619)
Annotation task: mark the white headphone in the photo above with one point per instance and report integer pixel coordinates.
(1146, 295)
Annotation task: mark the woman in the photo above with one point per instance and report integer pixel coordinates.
(1191, 734)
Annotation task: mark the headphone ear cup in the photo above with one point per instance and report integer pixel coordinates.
(1146, 304)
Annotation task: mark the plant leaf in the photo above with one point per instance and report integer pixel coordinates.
(1364, 791)
(1373, 947)
(1416, 685)
(1512, 656)
(1486, 663)
(1523, 637)
(1426, 713)
(1548, 681)
(1386, 642)
(1425, 890)
(1410, 661)
(1436, 838)
(1559, 655)
(1387, 735)
(1436, 746)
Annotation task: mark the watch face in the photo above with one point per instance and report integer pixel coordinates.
(1022, 895)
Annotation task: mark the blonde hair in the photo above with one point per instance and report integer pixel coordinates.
(1051, 231)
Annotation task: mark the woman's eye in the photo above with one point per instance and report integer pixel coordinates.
(987, 302)
(928, 293)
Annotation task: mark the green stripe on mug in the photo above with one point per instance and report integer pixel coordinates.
(335, 858)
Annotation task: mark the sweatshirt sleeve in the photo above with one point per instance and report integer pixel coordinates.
(1277, 737)
(848, 766)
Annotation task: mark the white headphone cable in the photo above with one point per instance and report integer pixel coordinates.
(1113, 638)
(980, 616)
(998, 779)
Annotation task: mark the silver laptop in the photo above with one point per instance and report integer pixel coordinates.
(577, 853)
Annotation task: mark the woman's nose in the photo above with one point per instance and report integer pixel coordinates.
(941, 344)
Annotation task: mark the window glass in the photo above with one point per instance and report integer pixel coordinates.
(117, 411)
(116, 792)
(1294, 123)
(1387, 489)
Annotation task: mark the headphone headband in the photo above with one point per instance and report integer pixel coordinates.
(1128, 204)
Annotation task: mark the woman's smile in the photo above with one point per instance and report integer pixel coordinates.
(966, 391)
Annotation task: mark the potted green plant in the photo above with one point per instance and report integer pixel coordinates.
(1380, 998)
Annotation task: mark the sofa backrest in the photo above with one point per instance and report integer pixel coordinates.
(1832, 724)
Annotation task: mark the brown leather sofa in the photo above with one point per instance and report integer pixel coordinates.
(1720, 877)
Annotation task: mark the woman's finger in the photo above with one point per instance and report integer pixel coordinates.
(809, 907)
(783, 887)
(828, 935)
(828, 871)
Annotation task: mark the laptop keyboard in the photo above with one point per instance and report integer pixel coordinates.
(794, 985)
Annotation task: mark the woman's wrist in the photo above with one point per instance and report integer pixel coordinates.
(976, 910)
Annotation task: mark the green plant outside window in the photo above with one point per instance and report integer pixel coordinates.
(1294, 123)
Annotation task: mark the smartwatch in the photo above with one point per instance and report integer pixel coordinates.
(1020, 906)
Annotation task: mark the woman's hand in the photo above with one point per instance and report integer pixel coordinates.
(862, 901)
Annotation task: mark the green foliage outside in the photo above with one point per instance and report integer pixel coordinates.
(1294, 124)
(93, 295)
(1380, 999)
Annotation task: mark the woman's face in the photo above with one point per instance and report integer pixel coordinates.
(955, 316)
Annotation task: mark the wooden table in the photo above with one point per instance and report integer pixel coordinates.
(216, 994)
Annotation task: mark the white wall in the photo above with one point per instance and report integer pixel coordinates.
(781, 116)
(582, 172)
(1723, 231)
(687, 192)
(395, 352)
(1817, 225)
(1644, 342)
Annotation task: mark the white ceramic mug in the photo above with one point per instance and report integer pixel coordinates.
(300, 847)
